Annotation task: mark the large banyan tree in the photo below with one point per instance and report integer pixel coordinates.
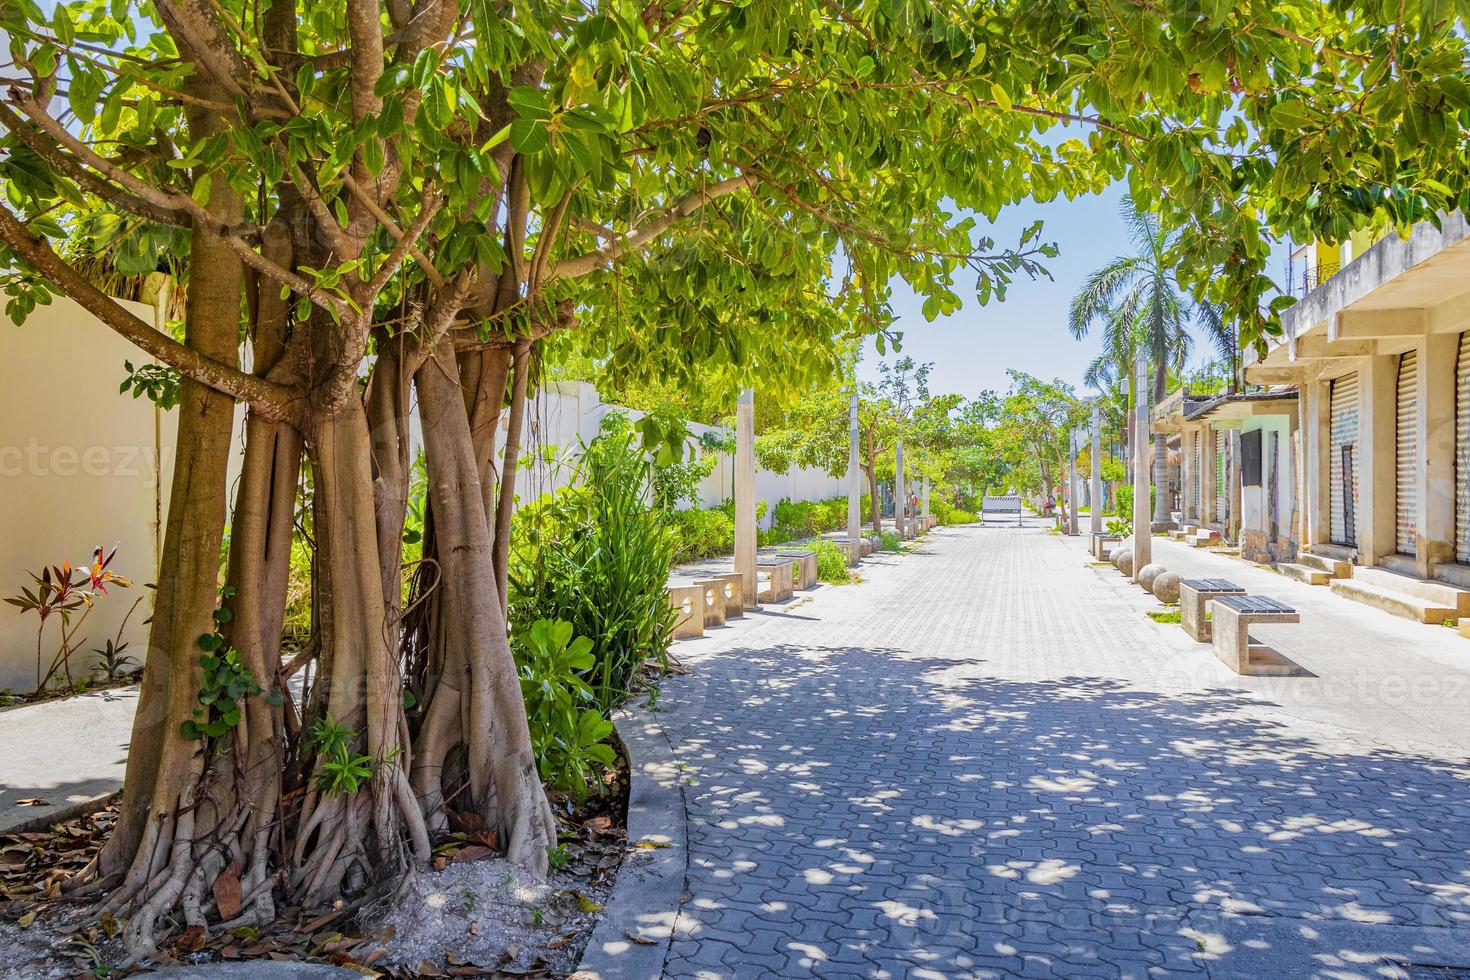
(385, 208)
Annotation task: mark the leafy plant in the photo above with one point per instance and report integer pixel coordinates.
(1120, 527)
(224, 682)
(63, 591)
(339, 769)
(596, 556)
(832, 562)
(568, 733)
(889, 541)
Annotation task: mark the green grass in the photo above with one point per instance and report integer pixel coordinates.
(1165, 616)
(832, 562)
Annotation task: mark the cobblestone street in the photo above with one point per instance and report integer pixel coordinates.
(985, 760)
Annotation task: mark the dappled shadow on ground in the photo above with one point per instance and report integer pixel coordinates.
(855, 810)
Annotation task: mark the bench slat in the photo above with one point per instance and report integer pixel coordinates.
(1254, 604)
(1213, 585)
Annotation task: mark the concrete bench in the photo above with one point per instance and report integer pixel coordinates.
(687, 600)
(1103, 544)
(730, 587)
(1234, 615)
(806, 567)
(775, 579)
(714, 600)
(1194, 593)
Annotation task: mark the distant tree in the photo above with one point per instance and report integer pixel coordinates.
(1142, 309)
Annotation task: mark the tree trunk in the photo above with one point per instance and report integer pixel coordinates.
(351, 834)
(514, 433)
(153, 844)
(875, 506)
(477, 703)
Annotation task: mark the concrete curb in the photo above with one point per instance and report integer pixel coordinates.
(61, 814)
(650, 887)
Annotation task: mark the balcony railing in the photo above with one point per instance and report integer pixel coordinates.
(1314, 276)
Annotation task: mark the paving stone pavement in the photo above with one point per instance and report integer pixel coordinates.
(983, 762)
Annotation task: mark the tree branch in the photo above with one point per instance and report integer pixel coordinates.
(266, 397)
(605, 256)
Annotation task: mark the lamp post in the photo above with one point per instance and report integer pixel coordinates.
(854, 487)
(1096, 513)
(1143, 534)
(745, 529)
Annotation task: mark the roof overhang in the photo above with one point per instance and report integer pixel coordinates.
(1380, 303)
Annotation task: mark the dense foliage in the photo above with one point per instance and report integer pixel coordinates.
(595, 556)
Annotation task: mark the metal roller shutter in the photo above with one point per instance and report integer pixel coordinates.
(1220, 514)
(1343, 475)
(1406, 448)
(1462, 452)
(1198, 476)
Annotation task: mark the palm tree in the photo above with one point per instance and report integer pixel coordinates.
(1137, 300)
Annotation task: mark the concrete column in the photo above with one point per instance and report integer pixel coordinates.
(1143, 537)
(899, 493)
(1375, 460)
(1096, 506)
(1072, 491)
(1316, 465)
(1233, 489)
(745, 526)
(1186, 476)
(924, 496)
(1435, 476)
(854, 487)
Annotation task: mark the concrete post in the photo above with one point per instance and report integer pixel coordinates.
(1378, 397)
(899, 493)
(745, 525)
(1186, 476)
(1143, 536)
(1096, 505)
(1233, 500)
(1435, 479)
(1072, 491)
(854, 487)
(924, 495)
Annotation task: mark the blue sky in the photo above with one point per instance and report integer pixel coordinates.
(972, 349)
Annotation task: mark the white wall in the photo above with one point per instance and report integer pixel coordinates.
(565, 412)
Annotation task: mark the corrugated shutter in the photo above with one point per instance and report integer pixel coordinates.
(1406, 448)
(1220, 476)
(1344, 436)
(1462, 452)
(1198, 476)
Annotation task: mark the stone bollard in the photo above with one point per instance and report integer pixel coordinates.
(1123, 559)
(1166, 587)
(1148, 573)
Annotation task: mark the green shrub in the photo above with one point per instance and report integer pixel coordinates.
(568, 732)
(948, 514)
(832, 562)
(701, 534)
(1123, 504)
(890, 541)
(595, 556)
(795, 520)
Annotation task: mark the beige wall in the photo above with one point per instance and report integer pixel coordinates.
(80, 466)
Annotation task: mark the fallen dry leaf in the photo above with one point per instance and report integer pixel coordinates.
(640, 940)
(227, 891)
(33, 801)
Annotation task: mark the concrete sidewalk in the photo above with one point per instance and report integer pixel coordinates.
(1376, 673)
(69, 753)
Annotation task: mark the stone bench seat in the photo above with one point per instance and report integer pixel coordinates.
(806, 567)
(687, 599)
(1103, 544)
(1233, 617)
(775, 579)
(1194, 593)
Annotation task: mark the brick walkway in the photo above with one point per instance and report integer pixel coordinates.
(986, 761)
